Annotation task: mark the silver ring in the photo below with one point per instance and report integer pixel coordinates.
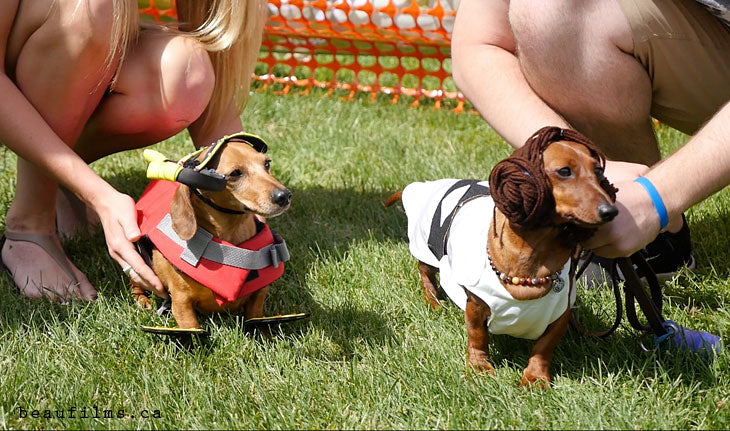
(127, 269)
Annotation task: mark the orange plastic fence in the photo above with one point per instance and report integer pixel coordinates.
(160, 10)
(393, 47)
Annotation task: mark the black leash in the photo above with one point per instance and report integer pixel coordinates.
(634, 291)
(616, 294)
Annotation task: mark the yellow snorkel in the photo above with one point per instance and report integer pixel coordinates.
(159, 167)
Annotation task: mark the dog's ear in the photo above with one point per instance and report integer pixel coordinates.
(182, 214)
(521, 191)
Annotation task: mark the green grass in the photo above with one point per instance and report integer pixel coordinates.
(372, 355)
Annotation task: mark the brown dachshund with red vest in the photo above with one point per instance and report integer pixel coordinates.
(211, 248)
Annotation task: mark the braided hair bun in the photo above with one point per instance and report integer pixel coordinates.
(519, 185)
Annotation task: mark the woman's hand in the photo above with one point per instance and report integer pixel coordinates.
(119, 219)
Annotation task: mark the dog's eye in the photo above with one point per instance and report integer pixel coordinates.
(565, 172)
(235, 173)
(267, 165)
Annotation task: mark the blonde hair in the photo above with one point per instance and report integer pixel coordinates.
(124, 30)
(231, 31)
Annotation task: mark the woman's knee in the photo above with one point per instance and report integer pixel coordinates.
(167, 82)
(187, 77)
(88, 24)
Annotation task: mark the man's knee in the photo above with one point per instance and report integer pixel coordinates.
(562, 27)
(548, 46)
(545, 26)
(574, 52)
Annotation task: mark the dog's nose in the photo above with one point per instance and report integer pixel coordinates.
(281, 197)
(607, 212)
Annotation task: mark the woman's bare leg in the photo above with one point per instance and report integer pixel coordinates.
(60, 70)
(164, 85)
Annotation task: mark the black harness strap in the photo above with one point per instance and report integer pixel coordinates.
(439, 234)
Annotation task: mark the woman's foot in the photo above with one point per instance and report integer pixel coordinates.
(40, 268)
(72, 215)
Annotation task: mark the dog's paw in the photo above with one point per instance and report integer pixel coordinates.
(144, 302)
(481, 366)
(538, 381)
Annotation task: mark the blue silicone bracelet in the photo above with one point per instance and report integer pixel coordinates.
(656, 199)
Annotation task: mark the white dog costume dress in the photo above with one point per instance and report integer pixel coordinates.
(448, 226)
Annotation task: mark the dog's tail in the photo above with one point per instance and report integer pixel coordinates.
(395, 197)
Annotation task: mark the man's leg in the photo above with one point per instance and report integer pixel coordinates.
(577, 56)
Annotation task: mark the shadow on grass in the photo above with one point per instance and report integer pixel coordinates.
(711, 249)
(579, 357)
(323, 223)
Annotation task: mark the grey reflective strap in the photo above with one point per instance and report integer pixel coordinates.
(278, 251)
(196, 246)
(202, 245)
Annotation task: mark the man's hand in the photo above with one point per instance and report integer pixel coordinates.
(637, 222)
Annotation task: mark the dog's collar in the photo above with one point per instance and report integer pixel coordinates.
(215, 206)
(526, 281)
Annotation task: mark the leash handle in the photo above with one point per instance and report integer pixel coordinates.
(634, 289)
(666, 333)
(616, 293)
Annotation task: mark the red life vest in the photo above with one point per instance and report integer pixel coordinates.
(228, 283)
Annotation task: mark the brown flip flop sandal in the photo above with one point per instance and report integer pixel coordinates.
(47, 243)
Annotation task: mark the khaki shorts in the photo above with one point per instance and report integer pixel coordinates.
(686, 52)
